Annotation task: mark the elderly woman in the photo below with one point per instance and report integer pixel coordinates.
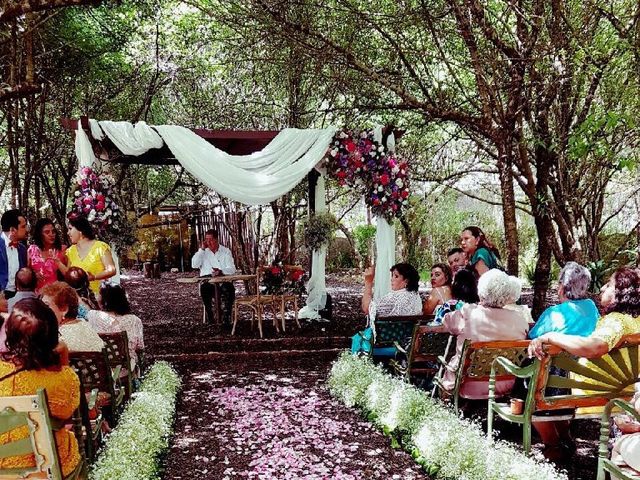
(575, 314)
(32, 362)
(485, 322)
(620, 300)
(441, 278)
(403, 299)
(76, 334)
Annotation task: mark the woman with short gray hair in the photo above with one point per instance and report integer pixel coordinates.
(576, 314)
(484, 322)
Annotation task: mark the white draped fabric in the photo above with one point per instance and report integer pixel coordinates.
(316, 287)
(385, 239)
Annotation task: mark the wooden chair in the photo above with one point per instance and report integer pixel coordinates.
(392, 332)
(431, 343)
(256, 303)
(605, 464)
(600, 380)
(117, 348)
(87, 422)
(288, 298)
(97, 374)
(31, 412)
(476, 363)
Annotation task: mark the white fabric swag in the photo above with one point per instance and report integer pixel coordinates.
(255, 179)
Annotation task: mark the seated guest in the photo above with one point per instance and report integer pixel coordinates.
(116, 316)
(76, 334)
(440, 288)
(32, 362)
(403, 299)
(575, 314)
(457, 259)
(485, 322)
(620, 300)
(214, 260)
(626, 450)
(26, 282)
(463, 290)
(78, 279)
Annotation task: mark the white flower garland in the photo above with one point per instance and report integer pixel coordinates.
(447, 446)
(134, 447)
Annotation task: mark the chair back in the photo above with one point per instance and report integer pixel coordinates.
(477, 359)
(95, 370)
(593, 382)
(390, 331)
(32, 414)
(430, 343)
(117, 350)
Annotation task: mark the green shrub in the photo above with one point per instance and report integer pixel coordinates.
(447, 446)
(134, 448)
(364, 236)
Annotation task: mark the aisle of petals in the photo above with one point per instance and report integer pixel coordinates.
(284, 426)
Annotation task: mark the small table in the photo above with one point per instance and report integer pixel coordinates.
(216, 281)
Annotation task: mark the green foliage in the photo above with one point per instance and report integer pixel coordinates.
(364, 236)
(319, 230)
(599, 273)
(134, 448)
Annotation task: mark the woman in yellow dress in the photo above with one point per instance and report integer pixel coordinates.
(88, 253)
(33, 361)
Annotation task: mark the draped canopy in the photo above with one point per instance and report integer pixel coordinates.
(254, 179)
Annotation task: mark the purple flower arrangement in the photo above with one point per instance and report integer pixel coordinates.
(357, 160)
(93, 199)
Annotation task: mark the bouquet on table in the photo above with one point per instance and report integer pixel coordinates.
(278, 279)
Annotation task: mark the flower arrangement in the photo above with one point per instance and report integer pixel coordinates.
(319, 230)
(295, 282)
(357, 160)
(136, 445)
(447, 446)
(273, 278)
(277, 279)
(93, 198)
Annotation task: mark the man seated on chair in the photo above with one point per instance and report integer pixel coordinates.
(214, 260)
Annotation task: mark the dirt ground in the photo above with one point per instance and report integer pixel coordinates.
(220, 433)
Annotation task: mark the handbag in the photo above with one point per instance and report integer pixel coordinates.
(362, 342)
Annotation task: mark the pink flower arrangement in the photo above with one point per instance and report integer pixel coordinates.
(360, 162)
(93, 199)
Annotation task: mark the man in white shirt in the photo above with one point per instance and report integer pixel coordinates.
(214, 260)
(13, 254)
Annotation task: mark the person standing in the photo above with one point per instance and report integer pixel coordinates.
(13, 254)
(88, 253)
(45, 252)
(482, 254)
(215, 260)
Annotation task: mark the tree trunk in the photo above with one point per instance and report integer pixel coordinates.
(509, 218)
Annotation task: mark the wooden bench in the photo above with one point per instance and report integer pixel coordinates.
(32, 413)
(605, 464)
(610, 376)
(476, 363)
